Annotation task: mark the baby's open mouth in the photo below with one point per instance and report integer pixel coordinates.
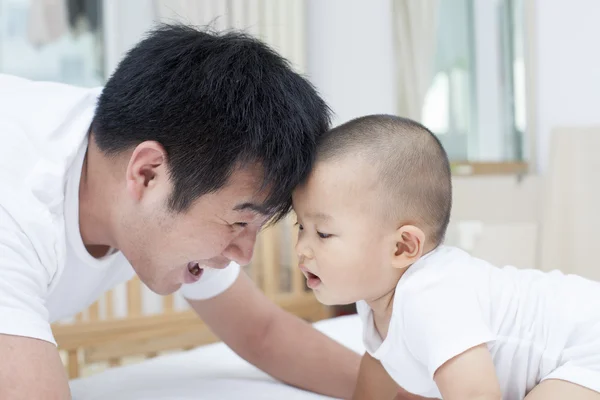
(312, 280)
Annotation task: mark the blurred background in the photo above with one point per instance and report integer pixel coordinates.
(496, 80)
(511, 88)
(456, 65)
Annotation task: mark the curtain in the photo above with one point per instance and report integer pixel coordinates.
(415, 32)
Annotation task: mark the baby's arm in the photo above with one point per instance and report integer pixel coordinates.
(468, 376)
(373, 381)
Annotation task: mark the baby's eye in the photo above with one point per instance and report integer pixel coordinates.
(299, 225)
(323, 235)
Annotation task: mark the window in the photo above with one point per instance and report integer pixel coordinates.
(476, 100)
(52, 40)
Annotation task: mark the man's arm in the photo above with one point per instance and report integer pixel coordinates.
(277, 342)
(31, 369)
(373, 381)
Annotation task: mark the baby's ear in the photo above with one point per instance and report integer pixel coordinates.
(410, 245)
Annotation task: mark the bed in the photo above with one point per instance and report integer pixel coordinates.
(207, 372)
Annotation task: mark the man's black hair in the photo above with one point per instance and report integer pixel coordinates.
(214, 101)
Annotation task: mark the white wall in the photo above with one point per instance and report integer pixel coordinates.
(350, 56)
(568, 67)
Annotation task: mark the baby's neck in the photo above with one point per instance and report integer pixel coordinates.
(382, 308)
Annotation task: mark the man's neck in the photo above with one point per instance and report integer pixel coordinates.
(94, 212)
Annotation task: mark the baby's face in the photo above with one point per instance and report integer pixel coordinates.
(344, 246)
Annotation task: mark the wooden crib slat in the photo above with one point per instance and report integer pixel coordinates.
(270, 260)
(255, 266)
(110, 312)
(73, 364)
(296, 274)
(168, 304)
(94, 311)
(114, 362)
(134, 297)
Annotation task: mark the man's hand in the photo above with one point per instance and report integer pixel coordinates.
(279, 343)
(470, 375)
(31, 369)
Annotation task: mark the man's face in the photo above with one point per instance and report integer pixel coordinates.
(220, 227)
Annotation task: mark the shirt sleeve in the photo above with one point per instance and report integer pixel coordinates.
(23, 285)
(443, 320)
(212, 283)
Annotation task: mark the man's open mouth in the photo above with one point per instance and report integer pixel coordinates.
(195, 271)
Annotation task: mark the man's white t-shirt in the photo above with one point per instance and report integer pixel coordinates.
(536, 325)
(46, 274)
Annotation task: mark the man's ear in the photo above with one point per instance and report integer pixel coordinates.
(410, 245)
(147, 165)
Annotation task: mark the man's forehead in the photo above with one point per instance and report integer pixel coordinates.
(249, 177)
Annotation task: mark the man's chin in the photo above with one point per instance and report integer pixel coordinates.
(167, 291)
(162, 289)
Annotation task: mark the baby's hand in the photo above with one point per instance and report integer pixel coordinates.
(470, 375)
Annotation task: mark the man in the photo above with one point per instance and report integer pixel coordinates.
(195, 142)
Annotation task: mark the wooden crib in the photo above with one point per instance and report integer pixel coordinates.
(100, 336)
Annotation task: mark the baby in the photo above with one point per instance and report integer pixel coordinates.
(438, 322)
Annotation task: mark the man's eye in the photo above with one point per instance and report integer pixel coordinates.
(323, 235)
(241, 224)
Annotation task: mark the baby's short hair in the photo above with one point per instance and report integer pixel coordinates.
(412, 166)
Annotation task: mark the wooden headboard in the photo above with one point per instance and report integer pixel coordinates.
(100, 335)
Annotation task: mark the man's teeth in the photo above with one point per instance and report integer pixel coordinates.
(195, 270)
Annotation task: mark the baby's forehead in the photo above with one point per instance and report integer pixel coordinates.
(348, 172)
(337, 181)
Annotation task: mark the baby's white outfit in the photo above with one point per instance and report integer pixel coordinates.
(537, 325)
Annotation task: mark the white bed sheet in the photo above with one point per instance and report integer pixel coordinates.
(207, 372)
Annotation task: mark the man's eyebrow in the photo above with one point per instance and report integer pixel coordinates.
(257, 208)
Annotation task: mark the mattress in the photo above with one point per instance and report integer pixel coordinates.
(207, 372)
